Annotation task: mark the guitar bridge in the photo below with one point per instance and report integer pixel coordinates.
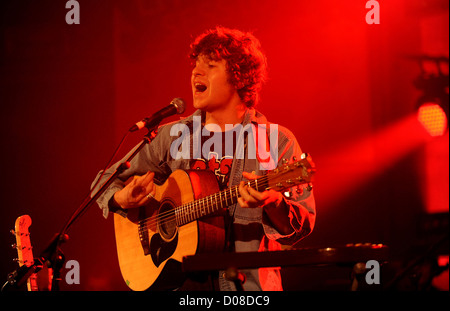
(143, 237)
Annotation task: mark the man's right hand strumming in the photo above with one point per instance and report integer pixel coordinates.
(137, 192)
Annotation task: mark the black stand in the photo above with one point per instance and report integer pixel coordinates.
(232, 274)
(353, 255)
(53, 255)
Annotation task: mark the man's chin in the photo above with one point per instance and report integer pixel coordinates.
(199, 104)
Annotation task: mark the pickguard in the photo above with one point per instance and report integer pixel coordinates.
(161, 250)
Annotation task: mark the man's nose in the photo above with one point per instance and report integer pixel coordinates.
(198, 71)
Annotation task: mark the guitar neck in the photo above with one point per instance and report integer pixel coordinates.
(280, 179)
(210, 204)
(24, 249)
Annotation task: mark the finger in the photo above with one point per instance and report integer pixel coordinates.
(145, 182)
(150, 188)
(131, 180)
(242, 202)
(250, 176)
(243, 190)
(135, 183)
(274, 198)
(148, 195)
(260, 196)
(147, 178)
(151, 191)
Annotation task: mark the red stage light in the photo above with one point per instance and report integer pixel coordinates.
(433, 118)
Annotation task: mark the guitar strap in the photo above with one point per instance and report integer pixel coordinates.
(229, 219)
(236, 172)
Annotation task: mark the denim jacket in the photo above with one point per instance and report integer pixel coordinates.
(252, 230)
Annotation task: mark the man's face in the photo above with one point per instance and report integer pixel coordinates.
(210, 87)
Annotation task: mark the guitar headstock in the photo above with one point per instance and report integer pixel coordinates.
(23, 242)
(293, 174)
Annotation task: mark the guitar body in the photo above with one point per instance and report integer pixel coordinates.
(150, 252)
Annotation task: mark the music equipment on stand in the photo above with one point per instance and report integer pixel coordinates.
(24, 248)
(353, 255)
(152, 240)
(35, 281)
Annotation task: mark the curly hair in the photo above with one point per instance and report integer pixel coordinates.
(245, 61)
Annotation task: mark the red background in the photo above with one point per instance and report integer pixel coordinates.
(345, 88)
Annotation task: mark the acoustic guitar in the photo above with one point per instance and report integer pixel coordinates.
(186, 218)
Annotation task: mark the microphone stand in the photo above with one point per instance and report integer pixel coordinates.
(52, 255)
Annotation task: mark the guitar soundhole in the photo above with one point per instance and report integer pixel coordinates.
(166, 221)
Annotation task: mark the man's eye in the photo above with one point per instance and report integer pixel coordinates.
(211, 65)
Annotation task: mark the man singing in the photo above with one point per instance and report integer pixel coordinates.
(229, 69)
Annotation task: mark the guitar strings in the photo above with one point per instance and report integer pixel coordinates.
(196, 206)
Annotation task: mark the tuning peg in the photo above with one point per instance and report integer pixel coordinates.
(285, 161)
(294, 158)
(14, 245)
(12, 232)
(309, 187)
(16, 259)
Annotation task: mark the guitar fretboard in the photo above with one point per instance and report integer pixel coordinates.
(192, 211)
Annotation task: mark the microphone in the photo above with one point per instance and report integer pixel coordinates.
(176, 106)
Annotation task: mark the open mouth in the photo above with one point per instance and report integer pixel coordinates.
(200, 87)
